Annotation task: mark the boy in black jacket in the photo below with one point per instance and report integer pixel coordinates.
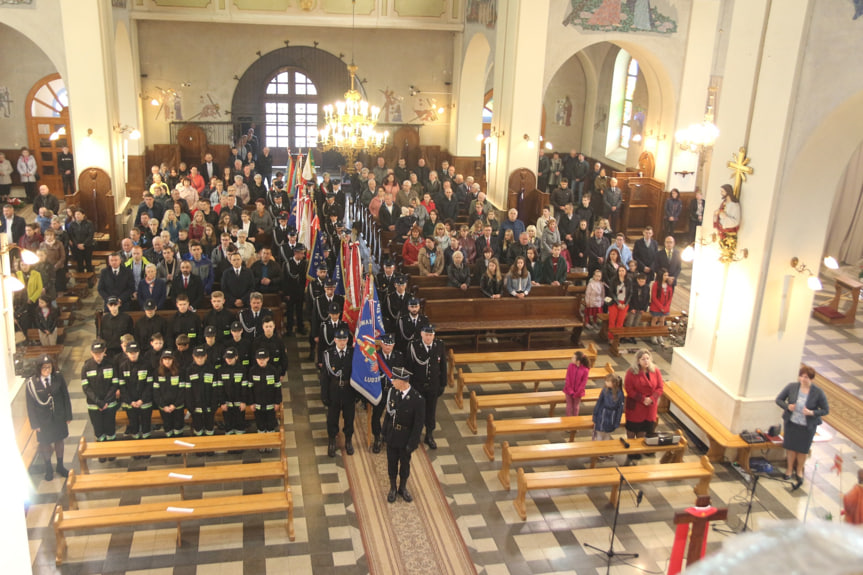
(639, 302)
(136, 392)
(266, 392)
(204, 393)
(236, 392)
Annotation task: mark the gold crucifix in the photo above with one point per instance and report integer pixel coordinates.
(740, 164)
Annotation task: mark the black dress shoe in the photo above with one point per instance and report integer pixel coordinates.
(349, 447)
(62, 471)
(406, 495)
(797, 484)
(391, 496)
(787, 477)
(49, 472)
(331, 448)
(431, 442)
(376, 446)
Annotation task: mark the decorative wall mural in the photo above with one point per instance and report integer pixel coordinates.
(858, 8)
(5, 103)
(16, 1)
(619, 16)
(209, 109)
(483, 12)
(391, 110)
(171, 106)
(563, 111)
(426, 110)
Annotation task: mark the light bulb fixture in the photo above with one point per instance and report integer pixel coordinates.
(696, 137)
(123, 129)
(812, 281)
(480, 137)
(689, 254)
(135, 134)
(154, 102)
(530, 143)
(548, 146)
(636, 138)
(831, 263)
(13, 283)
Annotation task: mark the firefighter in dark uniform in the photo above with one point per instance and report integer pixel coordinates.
(267, 339)
(169, 394)
(136, 392)
(426, 359)
(204, 393)
(266, 392)
(403, 427)
(321, 311)
(392, 358)
(186, 321)
(396, 303)
(252, 316)
(212, 346)
(385, 280)
(220, 318)
(99, 383)
(148, 324)
(409, 325)
(242, 343)
(296, 269)
(236, 391)
(281, 246)
(336, 391)
(327, 332)
(114, 325)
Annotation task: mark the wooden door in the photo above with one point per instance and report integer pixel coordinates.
(47, 112)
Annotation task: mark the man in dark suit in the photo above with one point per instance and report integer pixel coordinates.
(12, 223)
(392, 358)
(389, 213)
(116, 281)
(644, 252)
(486, 239)
(209, 169)
(426, 359)
(237, 282)
(669, 259)
(296, 270)
(189, 284)
(402, 428)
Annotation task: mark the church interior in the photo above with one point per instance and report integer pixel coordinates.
(757, 100)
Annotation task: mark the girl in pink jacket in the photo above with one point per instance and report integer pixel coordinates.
(575, 382)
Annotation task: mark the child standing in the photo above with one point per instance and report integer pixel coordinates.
(661, 294)
(608, 409)
(593, 296)
(576, 381)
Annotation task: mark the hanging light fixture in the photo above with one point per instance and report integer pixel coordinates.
(350, 124)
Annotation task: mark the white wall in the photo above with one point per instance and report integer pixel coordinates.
(23, 64)
(209, 55)
(569, 81)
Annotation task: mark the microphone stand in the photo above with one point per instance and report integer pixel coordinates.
(610, 553)
(745, 527)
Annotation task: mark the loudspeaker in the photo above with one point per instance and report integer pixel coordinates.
(662, 439)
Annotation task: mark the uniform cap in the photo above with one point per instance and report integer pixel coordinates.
(200, 351)
(413, 301)
(330, 283)
(401, 373)
(335, 308)
(150, 305)
(291, 231)
(231, 353)
(97, 346)
(388, 263)
(46, 359)
(236, 326)
(284, 216)
(210, 331)
(388, 339)
(299, 248)
(323, 268)
(262, 354)
(401, 279)
(342, 333)
(168, 353)
(428, 328)
(113, 301)
(132, 347)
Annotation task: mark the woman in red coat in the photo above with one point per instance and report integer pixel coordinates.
(643, 387)
(411, 249)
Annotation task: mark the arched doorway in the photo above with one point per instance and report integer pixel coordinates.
(47, 117)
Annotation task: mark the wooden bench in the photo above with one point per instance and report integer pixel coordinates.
(610, 477)
(123, 416)
(37, 351)
(68, 303)
(448, 292)
(719, 437)
(454, 359)
(534, 376)
(634, 331)
(528, 315)
(33, 334)
(153, 478)
(550, 398)
(538, 425)
(171, 512)
(28, 446)
(177, 445)
(277, 313)
(593, 449)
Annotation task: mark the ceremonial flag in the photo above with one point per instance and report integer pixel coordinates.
(316, 250)
(338, 271)
(367, 363)
(295, 181)
(353, 280)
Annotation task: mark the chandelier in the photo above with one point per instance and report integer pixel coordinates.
(696, 137)
(350, 124)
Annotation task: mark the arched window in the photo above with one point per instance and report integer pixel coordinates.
(624, 121)
(291, 110)
(626, 132)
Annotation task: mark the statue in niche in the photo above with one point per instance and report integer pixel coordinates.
(726, 222)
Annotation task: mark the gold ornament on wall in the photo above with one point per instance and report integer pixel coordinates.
(726, 219)
(307, 5)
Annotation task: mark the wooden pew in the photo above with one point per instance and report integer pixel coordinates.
(172, 512)
(592, 449)
(528, 315)
(173, 477)
(27, 444)
(634, 331)
(123, 416)
(178, 445)
(454, 359)
(609, 477)
(534, 376)
(720, 438)
(447, 292)
(538, 425)
(277, 313)
(550, 398)
(37, 351)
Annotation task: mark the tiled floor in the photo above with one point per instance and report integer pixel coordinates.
(552, 540)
